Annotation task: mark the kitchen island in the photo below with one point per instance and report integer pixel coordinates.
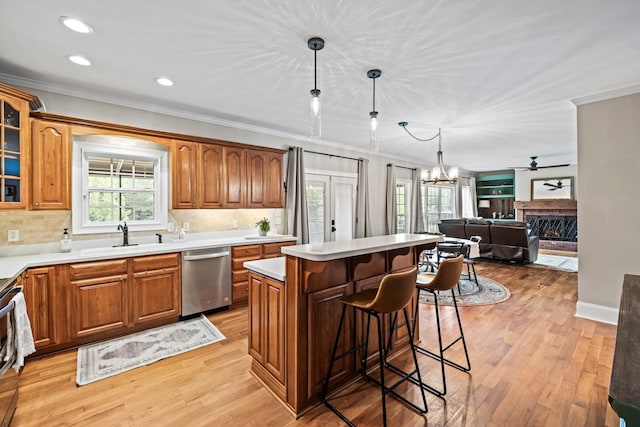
(293, 322)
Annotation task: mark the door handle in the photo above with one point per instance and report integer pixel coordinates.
(205, 256)
(333, 229)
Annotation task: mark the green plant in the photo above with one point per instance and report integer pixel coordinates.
(264, 225)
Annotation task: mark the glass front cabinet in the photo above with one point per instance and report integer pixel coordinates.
(14, 135)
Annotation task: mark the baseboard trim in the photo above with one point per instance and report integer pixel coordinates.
(599, 313)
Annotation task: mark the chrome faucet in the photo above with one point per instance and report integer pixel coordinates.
(125, 233)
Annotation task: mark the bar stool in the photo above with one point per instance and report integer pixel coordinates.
(445, 279)
(471, 261)
(393, 294)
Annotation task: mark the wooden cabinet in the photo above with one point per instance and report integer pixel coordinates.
(155, 291)
(239, 274)
(211, 175)
(39, 287)
(234, 190)
(99, 297)
(50, 165)
(185, 174)
(240, 254)
(264, 180)
(14, 142)
(266, 324)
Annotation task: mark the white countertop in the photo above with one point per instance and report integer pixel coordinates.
(12, 266)
(348, 248)
(271, 267)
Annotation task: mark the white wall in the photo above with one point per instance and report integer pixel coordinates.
(608, 202)
(522, 180)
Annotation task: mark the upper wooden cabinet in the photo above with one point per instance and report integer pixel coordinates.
(211, 175)
(14, 142)
(234, 192)
(185, 174)
(264, 180)
(50, 165)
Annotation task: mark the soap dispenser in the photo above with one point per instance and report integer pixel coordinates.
(65, 242)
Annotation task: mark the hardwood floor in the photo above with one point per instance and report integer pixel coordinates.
(533, 364)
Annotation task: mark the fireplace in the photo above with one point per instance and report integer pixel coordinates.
(555, 222)
(553, 227)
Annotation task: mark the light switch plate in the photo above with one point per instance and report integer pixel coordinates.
(170, 227)
(13, 235)
(234, 223)
(185, 226)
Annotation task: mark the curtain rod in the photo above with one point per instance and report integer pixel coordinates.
(402, 167)
(332, 155)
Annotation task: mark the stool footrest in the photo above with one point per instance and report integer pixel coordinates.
(443, 359)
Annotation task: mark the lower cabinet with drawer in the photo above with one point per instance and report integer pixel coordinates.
(96, 300)
(240, 254)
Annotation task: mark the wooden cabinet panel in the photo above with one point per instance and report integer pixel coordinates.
(155, 262)
(256, 321)
(273, 250)
(50, 165)
(264, 180)
(211, 176)
(88, 270)
(274, 328)
(100, 305)
(274, 180)
(185, 170)
(244, 251)
(256, 172)
(234, 190)
(266, 324)
(324, 308)
(39, 297)
(156, 295)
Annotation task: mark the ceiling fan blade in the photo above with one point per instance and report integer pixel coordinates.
(549, 184)
(554, 166)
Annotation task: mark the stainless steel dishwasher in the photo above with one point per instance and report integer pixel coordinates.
(206, 279)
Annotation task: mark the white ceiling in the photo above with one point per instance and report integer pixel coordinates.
(496, 75)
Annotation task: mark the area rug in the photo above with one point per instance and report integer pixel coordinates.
(557, 262)
(109, 358)
(487, 292)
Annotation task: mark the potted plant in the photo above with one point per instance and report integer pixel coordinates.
(263, 226)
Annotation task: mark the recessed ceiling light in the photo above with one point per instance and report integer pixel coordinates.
(76, 25)
(80, 60)
(164, 81)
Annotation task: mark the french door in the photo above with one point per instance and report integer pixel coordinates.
(331, 201)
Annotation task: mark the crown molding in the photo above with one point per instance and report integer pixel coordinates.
(154, 108)
(615, 93)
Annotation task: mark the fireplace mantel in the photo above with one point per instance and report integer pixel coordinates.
(546, 204)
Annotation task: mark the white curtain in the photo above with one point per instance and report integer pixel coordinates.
(391, 224)
(296, 196)
(457, 196)
(417, 216)
(363, 221)
(474, 197)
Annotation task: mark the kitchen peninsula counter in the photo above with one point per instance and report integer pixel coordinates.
(293, 322)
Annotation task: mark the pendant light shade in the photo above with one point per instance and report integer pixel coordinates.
(315, 109)
(373, 136)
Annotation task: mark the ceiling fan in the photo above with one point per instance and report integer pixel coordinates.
(554, 187)
(533, 166)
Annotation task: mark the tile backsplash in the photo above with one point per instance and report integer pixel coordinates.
(46, 226)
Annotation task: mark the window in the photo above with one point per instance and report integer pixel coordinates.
(438, 203)
(467, 202)
(118, 179)
(403, 203)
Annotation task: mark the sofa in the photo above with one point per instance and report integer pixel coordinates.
(501, 240)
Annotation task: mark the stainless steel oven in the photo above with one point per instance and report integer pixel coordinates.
(8, 375)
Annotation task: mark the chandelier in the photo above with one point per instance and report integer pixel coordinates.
(437, 175)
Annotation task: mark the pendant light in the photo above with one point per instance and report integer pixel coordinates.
(315, 44)
(373, 136)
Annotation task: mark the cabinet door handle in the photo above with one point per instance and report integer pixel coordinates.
(36, 204)
(193, 204)
(125, 277)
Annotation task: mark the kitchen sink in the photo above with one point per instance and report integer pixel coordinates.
(121, 250)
